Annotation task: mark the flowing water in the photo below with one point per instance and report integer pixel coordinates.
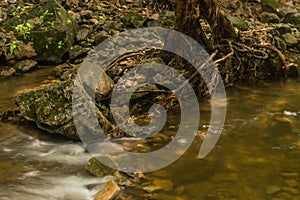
(257, 156)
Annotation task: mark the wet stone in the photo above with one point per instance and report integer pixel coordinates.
(25, 65)
(152, 188)
(109, 192)
(8, 72)
(98, 169)
(272, 189)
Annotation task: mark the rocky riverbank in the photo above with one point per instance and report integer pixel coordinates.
(62, 33)
(55, 32)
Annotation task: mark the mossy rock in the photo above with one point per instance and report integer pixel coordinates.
(50, 107)
(134, 19)
(48, 26)
(98, 169)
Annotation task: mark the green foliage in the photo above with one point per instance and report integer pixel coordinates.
(20, 11)
(87, 42)
(12, 46)
(69, 21)
(48, 26)
(24, 30)
(45, 14)
(60, 44)
(103, 107)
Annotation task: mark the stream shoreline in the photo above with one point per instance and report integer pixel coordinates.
(74, 29)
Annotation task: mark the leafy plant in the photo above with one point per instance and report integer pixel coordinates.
(20, 11)
(12, 46)
(24, 30)
(103, 107)
(45, 14)
(49, 25)
(60, 44)
(69, 21)
(87, 42)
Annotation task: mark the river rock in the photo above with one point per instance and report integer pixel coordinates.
(25, 65)
(97, 168)
(50, 108)
(269, 18)
(77, 51)
(49, 28)
(109, 192)
(9, 71)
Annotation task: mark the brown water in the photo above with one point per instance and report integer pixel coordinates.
(10, 87)
(256, 158)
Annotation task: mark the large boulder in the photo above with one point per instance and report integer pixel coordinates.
(46, 28)
(50, 108)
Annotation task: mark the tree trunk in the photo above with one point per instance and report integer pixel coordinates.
(188, 14)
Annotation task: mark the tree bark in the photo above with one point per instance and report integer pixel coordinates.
(188, 14)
